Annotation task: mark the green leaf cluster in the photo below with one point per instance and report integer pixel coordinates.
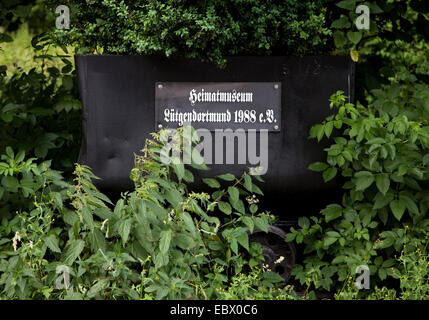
(382, 157)
(159, 241)
(208, 30)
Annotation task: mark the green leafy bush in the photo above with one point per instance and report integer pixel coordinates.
(22, 180)
(384, 161)
(206, 30)
(397, 41)
(414, 262)
(13, 13)
(413, 277)
(39, 110)
(379, 150)
(253, 286)
(159, 241)
(53, 229)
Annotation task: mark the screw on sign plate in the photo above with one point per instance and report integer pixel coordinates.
(276, 86)
(276, 127)
(160, 126)
(160, 86)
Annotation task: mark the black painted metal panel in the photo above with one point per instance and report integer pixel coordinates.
(118, 95)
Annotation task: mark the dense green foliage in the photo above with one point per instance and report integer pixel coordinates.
(207, 30)
(161, 240)
(39, 116)
(383, 158)
(14, 13)
(381, 151)
(397, 39)
(413, 277)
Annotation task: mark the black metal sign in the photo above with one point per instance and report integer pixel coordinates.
(218, 105)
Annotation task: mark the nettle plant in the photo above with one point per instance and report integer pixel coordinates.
(161, 240)
(384, 162)
(192, 249)
(206, 30)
